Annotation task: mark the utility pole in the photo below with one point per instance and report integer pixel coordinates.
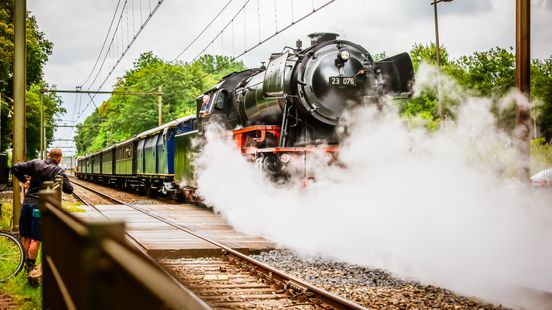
(438, 56)
(19, 87)
(160, 106)
(1, 84)
(42, 135)
(523, 79)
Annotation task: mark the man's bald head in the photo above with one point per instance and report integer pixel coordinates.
(56, 155)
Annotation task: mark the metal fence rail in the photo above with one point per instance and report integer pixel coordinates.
(90, 265)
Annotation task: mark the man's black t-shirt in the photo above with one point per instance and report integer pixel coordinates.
(39, 171)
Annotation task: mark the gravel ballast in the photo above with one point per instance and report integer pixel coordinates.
(372, 288)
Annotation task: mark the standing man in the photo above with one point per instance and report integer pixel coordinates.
(37, 171)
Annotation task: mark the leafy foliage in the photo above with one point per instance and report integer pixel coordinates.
(52, 107)
(541, 90)
(424, 108)
(38, 50)
(488, 73)
(428, 53)
(25, 295)
(117, 119)
(492, 74)
(541, 154)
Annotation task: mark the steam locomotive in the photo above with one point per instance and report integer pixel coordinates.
(277, 113)
(297, 100)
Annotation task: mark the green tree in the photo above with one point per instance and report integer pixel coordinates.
(491, 73)
(38, 50)
(428, 53)
(52, 108)
(423, 109)
(541, 90)
(488, 73)
(116, 119)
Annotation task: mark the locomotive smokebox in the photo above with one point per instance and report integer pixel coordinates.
(331, 76)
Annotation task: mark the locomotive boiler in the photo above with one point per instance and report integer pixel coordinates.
(294, 104)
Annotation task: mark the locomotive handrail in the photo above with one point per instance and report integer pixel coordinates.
(91, 266)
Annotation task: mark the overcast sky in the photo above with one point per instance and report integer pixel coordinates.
(78, 28)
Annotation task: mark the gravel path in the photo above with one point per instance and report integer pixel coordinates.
(90, 197)
(372, 288)
(123, 196)
(7, 302)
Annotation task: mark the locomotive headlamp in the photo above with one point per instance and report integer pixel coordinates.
(284, 158)
(344, 55)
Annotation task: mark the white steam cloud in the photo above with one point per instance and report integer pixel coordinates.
(427, 207)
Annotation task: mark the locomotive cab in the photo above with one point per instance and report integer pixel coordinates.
(219, 104)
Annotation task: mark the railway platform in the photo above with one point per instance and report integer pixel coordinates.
(161, 239)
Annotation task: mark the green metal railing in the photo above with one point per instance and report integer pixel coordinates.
(91, 266)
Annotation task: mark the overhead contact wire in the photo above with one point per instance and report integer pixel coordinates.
(132, 41)
(103, 45)
(104, 59)
(223, 28)
(203, 31)
(152, 12)
(231, 22)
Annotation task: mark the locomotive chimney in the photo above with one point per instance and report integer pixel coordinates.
(299, 44)
(319, 37)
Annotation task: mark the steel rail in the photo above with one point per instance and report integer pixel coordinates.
(139, 245)
(274, 274)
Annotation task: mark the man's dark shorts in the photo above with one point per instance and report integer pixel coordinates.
(29, 222)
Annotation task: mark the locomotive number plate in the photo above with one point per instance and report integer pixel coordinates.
(343, 81)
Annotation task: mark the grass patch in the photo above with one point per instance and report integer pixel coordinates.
(25, 295)
(6, 215)
(72, 207)
(541, 155)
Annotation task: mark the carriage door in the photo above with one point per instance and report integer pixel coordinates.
(163, 152)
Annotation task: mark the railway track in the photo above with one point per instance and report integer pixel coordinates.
(125, 195)
(132, 240)
(234, 280)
